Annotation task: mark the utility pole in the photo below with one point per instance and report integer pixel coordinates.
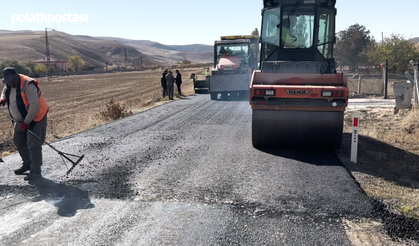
(47, 52)
(126, 59)
(141, 61)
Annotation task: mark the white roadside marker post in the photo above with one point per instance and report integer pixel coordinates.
(354, 141)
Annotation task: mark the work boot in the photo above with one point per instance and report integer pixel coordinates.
(22, 170)
(33, 177)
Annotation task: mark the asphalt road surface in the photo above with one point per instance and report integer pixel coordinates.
(184, 173)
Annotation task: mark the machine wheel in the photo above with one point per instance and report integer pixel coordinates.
(256, 136)
(201, 91)
(297, 128)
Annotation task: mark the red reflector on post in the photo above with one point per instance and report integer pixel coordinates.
(355, 122)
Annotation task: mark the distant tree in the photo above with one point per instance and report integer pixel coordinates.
(255, 32)
(36, 68)
(12, 63)
(371, 55)
(40, 68)
(30, 65)
(76, 63)
(86, 66)
(19, 66)
(399, 51)
(350, 44)
(185, 62)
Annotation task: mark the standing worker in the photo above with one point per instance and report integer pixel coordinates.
(164, 82)
(207, 73)
(170, 84)
(28, 107)
(178, 82)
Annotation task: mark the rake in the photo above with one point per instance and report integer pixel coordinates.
(63, 155)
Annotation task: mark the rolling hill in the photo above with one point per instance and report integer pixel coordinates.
(198, 53)
(30, 45)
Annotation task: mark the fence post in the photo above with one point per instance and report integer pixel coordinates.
(386, 80)
(416, 82)
(415, 77)
(359, 82)
(383, 78)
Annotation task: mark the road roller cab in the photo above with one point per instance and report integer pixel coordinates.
(235, 59)
(297, 97)
(235, 55)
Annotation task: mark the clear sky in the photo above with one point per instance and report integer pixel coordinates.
(198, 21)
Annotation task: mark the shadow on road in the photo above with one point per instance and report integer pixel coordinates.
(66, 198)
(382, 160)
(233, 100)
(319, 157)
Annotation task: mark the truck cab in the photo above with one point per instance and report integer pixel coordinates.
(235, 59)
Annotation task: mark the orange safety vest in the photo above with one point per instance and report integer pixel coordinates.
(43, 105)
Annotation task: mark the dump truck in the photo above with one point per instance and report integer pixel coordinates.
(297, 97)
(235, 59)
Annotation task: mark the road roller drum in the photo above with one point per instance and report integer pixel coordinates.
(297, 128)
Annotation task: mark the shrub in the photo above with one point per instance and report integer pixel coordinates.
(186, 62)
(114, 111)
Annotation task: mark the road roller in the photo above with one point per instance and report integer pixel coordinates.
(297, 96)
(235, 59)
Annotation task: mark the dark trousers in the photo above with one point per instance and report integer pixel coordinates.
(29, 146)
(178, 88)
(170, 89)
(163, 85)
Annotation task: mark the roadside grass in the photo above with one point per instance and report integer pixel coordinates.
(388, 153)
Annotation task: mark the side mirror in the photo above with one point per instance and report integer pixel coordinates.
(192, 76)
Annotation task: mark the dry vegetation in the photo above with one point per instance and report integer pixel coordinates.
(388, 157)
(81, 102)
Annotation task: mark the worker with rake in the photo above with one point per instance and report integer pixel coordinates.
(28, 109)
